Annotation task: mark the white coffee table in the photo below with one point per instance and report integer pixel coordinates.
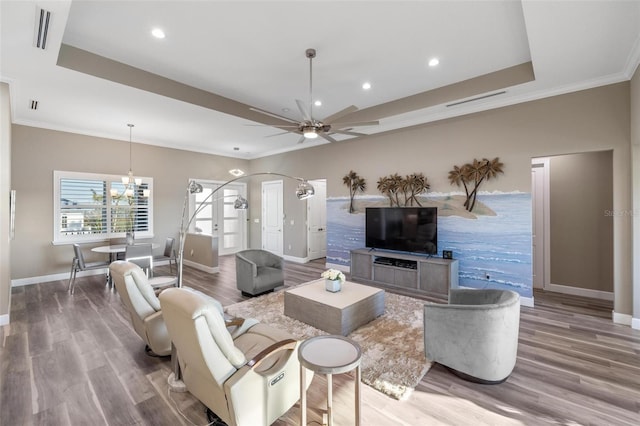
(336, 313)
(329, 355)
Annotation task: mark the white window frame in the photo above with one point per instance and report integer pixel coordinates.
(60, 238)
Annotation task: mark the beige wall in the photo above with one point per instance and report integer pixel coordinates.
(635, 141)
(5, 187)
(581, 209)
(591, 120)
(38, 152)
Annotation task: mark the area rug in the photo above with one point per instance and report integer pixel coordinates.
(393, 360)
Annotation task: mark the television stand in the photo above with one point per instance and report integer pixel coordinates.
(420, 275)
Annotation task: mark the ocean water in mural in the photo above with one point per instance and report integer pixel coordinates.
(494, 251)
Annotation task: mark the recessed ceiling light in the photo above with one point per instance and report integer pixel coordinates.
(157, 33)
(433, 62)
(285, 109)
(317, 103)
(366, 86)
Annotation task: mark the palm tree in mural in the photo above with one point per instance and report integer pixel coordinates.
(356, 184)
(460, 176)
(484, 170)
(414, 184)
(390, 186)
(475, 173)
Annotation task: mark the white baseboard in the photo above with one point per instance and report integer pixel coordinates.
(4, 319)
(527, 301)
(584, 292)
(635, 323)
(624, 319)
(203, 268)
(54, 277)
(296, 259)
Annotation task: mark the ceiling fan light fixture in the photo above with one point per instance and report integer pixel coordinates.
(310, 133)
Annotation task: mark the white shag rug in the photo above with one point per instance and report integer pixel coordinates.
(393, 360)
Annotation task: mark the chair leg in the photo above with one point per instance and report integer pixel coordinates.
(72, 275)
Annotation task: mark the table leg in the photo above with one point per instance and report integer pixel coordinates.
(329, 400)
(303, 396)
(357, 395)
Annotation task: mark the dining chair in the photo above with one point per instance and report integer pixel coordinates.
(78, 264)
(168, 254)
(141, 255)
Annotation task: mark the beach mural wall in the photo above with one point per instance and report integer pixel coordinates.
(492, 243)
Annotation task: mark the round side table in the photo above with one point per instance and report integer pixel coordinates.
(329, 355)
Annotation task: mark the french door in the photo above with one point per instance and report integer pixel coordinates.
(218, 217)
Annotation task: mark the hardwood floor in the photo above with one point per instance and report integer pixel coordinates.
(70, 360)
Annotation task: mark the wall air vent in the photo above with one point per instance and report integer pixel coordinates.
(33, 105)
(43, 19)
(477, 98)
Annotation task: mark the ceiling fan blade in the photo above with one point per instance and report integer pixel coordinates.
(277, 134)
(292, 126)
(306, 115)
(270, 114)
(346, 132)
(359, 123)
(327, 137)
(348, 110)
(302, 139)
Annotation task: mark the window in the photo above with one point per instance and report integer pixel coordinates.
(96, 207)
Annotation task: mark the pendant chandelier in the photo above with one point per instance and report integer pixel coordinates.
(129, 181)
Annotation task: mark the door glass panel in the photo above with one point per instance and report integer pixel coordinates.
(231, 225)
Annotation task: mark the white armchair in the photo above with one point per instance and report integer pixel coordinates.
(143, 305)
(249, 376)
(475, 335)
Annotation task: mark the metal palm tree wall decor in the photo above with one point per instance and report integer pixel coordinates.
(393, 186)
(473, 174)
(356, 184)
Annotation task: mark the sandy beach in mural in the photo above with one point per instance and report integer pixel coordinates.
(492, 244)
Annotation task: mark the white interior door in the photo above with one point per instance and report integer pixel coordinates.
(317, 220)
(540, 217)
(272, 217)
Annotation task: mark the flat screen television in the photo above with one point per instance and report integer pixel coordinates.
(408, 229)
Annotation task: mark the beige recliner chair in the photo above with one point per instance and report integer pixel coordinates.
(143, 305)
(248, 374)
(258, 271)
(475, 335)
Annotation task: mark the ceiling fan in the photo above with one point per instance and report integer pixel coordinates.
(309, 127)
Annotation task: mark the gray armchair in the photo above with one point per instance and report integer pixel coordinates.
(475, 335)
(258, 271)
(244, 372)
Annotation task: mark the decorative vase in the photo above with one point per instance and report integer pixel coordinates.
(333, 286)
(130, 238)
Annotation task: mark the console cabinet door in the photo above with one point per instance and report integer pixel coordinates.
(435, 278)
(361, 266)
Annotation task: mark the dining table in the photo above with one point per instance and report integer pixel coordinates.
(113, 249)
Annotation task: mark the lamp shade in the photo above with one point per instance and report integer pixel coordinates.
(305, 190)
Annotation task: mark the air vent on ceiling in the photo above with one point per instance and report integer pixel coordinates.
(477, 98)
(43, 18)
(33, 105)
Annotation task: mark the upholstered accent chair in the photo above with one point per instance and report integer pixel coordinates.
(245, 372)
(143, 305)
(258, 271)
(475, 335)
